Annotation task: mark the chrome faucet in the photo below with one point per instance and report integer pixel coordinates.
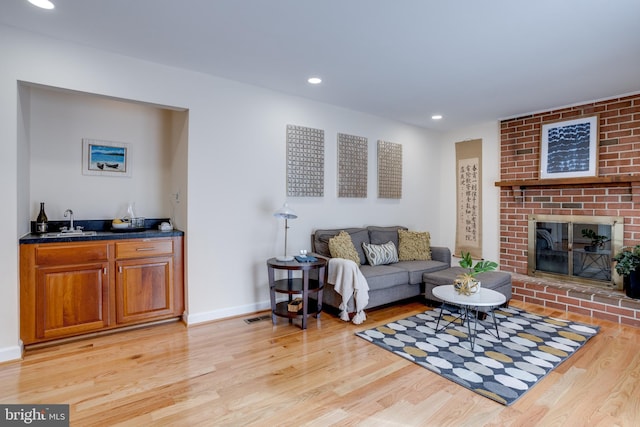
(70, 213)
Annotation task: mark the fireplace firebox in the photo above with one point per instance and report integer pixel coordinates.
(578, 248)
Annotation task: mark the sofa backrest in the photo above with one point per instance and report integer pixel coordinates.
(371, 234)
(382, 235)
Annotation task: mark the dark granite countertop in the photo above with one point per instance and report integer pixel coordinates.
(103, 232)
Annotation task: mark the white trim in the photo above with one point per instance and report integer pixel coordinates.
(9, 354)
(208, 316)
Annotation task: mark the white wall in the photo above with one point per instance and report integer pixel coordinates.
(236, 170)
(489, 133)
(58, 122)
(237, 180)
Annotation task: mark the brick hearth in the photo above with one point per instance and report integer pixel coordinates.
(601, 303)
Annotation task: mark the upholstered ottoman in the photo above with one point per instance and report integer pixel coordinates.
(497, 280)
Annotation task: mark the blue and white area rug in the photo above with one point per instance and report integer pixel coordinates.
(530, 346)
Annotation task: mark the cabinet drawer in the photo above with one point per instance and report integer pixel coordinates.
(143, 248)
(71, 253)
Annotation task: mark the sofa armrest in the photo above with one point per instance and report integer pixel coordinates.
(442, 254)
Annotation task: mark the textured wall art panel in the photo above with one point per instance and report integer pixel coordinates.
(352, 166)
(389, 170)
(305, 161)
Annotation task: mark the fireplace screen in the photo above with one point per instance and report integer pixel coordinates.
(579, 247)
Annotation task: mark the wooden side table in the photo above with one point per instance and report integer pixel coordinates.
(292, 286)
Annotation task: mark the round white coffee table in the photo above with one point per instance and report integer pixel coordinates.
(469, 304)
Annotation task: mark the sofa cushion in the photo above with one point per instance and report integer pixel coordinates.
(321, 240)
(489, 279)
(414, 245)
(417, 268)
(444, 277)
(384, 276)
(380, 235)
(341, 246)
(380, 254)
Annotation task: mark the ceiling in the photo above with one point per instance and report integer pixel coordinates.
(471, 61)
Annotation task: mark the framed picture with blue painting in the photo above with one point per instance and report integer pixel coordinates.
(106, 158)
(569, 148)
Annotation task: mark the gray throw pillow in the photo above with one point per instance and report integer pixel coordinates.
(381, 254)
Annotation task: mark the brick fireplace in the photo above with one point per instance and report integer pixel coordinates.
(614, 192)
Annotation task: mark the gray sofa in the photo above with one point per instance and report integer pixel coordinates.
(387, 283)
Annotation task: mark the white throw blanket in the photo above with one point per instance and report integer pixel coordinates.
(348, 281)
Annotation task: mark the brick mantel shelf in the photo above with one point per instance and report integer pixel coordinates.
(518, 186)
(569, 181)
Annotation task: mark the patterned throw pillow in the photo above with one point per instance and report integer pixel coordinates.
(380, 254)
(341, 246)
(414, 245)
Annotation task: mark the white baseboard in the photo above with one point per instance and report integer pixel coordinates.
(195, 318)
(8, 354)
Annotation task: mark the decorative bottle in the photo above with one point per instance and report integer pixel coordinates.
(131, 211)
(42, 222)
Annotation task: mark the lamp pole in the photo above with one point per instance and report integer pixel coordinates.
(286, 227)
(286, 213)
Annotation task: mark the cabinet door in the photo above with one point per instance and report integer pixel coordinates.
(71, 300)
(144, 289)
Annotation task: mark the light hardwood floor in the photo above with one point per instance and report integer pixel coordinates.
(230, 373)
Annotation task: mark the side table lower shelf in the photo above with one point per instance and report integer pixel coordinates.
(294, 287)
(282, 310)
(301, 287)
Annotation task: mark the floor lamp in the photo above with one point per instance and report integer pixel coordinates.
(287, 213)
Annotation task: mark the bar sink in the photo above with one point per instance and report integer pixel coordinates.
(74, 233)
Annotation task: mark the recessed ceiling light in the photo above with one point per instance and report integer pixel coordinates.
(436, 116)
(314, 80)
(43, 4)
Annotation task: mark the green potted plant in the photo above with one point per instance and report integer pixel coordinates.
(467, 283)
(628, 266)
(597, 240)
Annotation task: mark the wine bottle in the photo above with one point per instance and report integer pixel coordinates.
(42, 222)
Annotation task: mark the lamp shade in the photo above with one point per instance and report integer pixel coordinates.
(285, 212)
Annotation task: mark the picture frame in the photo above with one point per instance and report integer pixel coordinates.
(106, 158)
(569, 148)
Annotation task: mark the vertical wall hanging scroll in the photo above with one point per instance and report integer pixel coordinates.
(352, 166)
(305, 161)
(389, 170)
(469, 197)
